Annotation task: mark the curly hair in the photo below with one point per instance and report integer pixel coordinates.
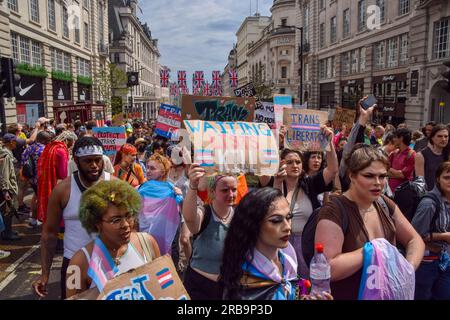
(308, 154)
(243, 235)
(165, 163)
(96, 200)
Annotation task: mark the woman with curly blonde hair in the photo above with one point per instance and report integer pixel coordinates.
(110, 210)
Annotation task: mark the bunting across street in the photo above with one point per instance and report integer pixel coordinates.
(182, 79)
(164, 75)
(216, 79)
(233, 78)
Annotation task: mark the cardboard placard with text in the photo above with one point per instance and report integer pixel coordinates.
(112, 139)
(245, 91)
(217, 108)
(168, 121)
(157, 280)
(344, 116)
(234, 147)
(264, 112)
(304, 129)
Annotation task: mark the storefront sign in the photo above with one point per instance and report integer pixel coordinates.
(84, 92)
(62, 90)
(414, 83)
(30, 89)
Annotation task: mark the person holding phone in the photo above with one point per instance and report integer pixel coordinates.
(301, 190)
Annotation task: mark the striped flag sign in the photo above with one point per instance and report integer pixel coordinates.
(165, 278)
(204, 157)
(164, 75)
(270, 156)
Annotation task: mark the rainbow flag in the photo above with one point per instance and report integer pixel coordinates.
(160, 214)
(101, 267)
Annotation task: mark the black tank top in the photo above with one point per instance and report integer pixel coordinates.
(432, 162)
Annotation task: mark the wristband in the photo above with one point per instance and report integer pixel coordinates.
(190, 187)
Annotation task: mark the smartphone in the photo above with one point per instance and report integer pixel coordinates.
(370, 101)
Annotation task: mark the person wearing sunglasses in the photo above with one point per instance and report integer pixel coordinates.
(110, 210)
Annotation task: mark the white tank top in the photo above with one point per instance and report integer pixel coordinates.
(132, 259)
(75, 236)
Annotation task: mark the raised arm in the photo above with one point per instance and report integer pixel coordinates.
(193, 215)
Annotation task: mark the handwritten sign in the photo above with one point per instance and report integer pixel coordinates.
(265, 113)
(281, 102)
(217, 108)
(245, 91)
(168, 121)
(304, 129)
(112, 139)
(234, 147)
(344, 116)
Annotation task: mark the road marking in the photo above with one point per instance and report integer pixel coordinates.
(12, 268)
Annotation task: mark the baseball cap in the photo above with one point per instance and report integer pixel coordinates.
(43, 120)
(9, 137)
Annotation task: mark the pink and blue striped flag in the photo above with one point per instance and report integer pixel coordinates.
(101, 266)
(160, 215)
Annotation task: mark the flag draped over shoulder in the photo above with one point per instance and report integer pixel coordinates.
(160, 215)
(101, 266)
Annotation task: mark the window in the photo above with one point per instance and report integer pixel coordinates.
(13, 5)
(403, 7)
(345, 62)
(306, 24)
(404, 47)
(65, 22)
(306, 72)
(362, 59)
(283, 22)
(392, 53)
(86, 35)
(25, 50)
(362, 15)
(381, 4)
(101, 21)
(283, 72)
(379, 55)
(15, 47)
(67, 63)
(322, 35)
(322, 69)
(51, 15)
(86, 4)
(441, 39)
(77, 29)
(329, 68)
(354, 61)
(346, 22)
(83, 67)
(321, 4)
(34, 10)
(333, 30)
(36, 53)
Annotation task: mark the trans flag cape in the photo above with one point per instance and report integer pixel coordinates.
(160, 215)
(265, 279)
(386, 273)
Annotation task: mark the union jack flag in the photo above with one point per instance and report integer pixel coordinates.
(184, 90)
(164, 74)
(182, 79)
(218, 91)
(207, 89)
(173, 89)
(233, 78)
(216, 80)
(199, 79)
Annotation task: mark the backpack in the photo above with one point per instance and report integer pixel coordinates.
(29, 169)
(408, 195)
(309, 231)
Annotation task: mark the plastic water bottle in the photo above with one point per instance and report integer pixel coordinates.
(320, 272)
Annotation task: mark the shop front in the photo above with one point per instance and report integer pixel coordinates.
(30, 100)
(391, 93)
(351, 92)
(83, 112)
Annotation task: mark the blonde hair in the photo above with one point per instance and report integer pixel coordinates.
(165, 163)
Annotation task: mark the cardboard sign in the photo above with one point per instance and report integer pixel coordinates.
(265, 113)
(280, 102)
(168, 121)
(217, 108)
(246, 91)
(157, 280)
(234, 147)
(112, 138)
(344, 116)
(304, 129)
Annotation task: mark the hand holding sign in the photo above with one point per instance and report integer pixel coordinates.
(195, 174)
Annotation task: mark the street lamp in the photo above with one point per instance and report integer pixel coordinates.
(300, 57)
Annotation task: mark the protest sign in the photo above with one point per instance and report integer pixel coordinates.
(264, 112)
(168, 121)
(217, 108)
(112, 139)
(344, 116)
(157, 280)
(304, 129)
(281, 102)
(234, 147)
(245, 91)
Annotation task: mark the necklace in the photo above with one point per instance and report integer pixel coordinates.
(118, 257)
(224, 219)
(364, 212)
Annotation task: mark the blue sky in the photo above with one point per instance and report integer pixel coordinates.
(197, 34)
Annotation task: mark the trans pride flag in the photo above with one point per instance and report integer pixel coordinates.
(160, 215)
(101, 266)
